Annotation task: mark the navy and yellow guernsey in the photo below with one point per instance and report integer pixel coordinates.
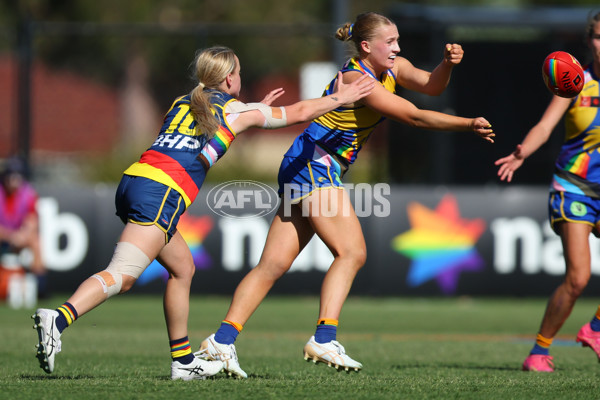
(180, 156)
(344, 131)
(577, 168)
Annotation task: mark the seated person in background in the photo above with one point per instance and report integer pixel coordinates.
(19, 223)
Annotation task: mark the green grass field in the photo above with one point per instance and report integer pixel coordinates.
(410, 349)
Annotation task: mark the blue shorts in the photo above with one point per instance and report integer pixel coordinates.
(572, 207)
(299, 177)
(147, 202)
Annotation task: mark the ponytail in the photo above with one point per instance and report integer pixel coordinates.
(202, 111)
(212, 65)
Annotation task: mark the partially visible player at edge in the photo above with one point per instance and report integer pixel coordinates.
(574, 200)
(155, 191)
(19, 219)
(310, 179)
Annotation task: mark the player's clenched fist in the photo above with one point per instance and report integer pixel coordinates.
(453, 54)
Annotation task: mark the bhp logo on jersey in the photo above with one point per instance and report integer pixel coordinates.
(242, 199)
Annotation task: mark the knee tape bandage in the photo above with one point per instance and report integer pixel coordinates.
(127, 259)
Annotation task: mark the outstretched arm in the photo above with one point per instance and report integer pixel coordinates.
(430, 83)
(402, 110)
(344, 93)
(305, 110)
(535, 138)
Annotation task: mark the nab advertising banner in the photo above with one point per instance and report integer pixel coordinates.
(421, 240)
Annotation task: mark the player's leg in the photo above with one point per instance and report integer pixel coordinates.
(335, 222)
(576, 248)
(575, 241)
(589, 334)
(177, 259)
(287, 236)
(137, 246)
(143, 243)
(343, 235)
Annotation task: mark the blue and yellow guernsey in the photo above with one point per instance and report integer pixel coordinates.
(180, 156)
(344, 131)
(577, 168)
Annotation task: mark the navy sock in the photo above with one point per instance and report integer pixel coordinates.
(226, 334)
(66, 316)
(181, 350)
(595, 324)
(325, 333)
(537, 349)
(61, 322)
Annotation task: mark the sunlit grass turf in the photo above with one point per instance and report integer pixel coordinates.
(410, 348)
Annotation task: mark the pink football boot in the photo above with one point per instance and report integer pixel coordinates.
(539, 363)
(589, 338)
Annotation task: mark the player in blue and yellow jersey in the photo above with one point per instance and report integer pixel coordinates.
(314, 200)
(155, 191)
(574, 201)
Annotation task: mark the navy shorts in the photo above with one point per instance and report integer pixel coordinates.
(572, 207)
(147, 202)
(299, 177)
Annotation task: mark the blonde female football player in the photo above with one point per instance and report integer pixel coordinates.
(310, 179)
(574, 201)
(155, 191)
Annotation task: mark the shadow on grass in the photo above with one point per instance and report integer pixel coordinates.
(31, 377)
(457, 366)
(56, 377)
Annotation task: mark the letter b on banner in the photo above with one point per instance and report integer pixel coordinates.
(64, 237)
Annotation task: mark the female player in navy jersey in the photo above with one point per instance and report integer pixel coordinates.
(310, 179)
(155, 191)
(574, 203)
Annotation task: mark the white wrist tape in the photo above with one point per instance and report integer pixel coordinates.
(275, 117)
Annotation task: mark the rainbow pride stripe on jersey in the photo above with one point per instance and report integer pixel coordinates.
(218, 145)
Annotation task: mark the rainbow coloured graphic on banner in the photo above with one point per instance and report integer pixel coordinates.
(193, 230)
(440, 243)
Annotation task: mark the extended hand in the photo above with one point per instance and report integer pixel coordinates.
(356, 90)
(483, 129)
(510, 163)
(272, 96)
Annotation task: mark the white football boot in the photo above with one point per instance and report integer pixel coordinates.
(331, 353)
(197, 369)
(48, 337)
(210, 349)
